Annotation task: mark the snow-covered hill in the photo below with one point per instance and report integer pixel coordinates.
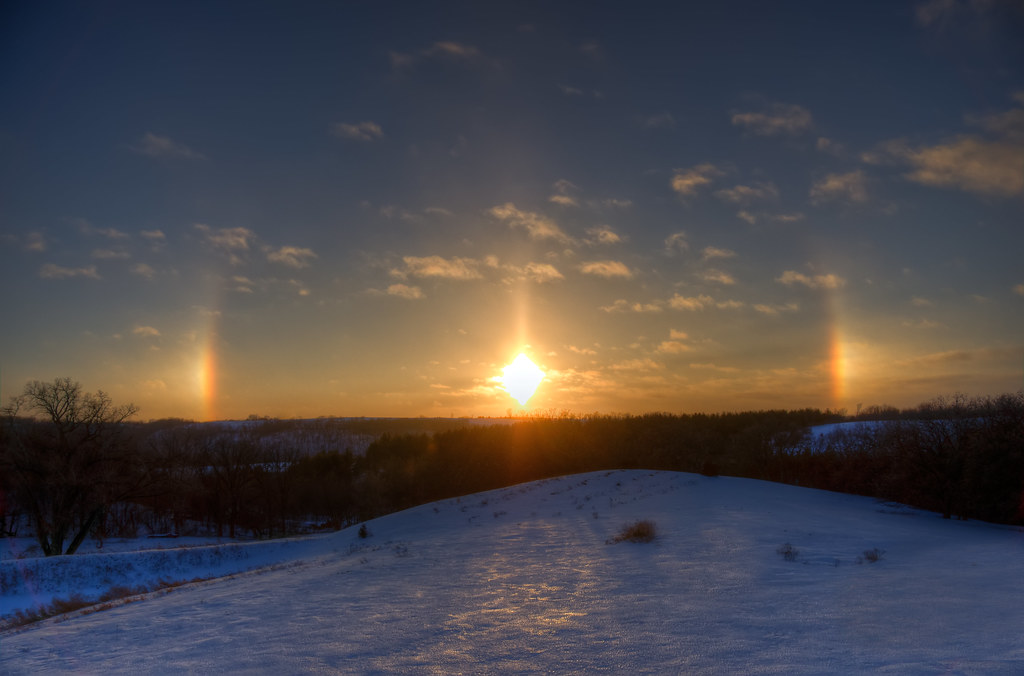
(524, 580)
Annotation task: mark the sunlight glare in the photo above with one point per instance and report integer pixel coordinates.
(521, 378)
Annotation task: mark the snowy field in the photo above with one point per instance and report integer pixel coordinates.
(523, 580)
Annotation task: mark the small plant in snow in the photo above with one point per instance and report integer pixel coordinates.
(364, 532)
(640, 531)
(871, 555)
(788, 552)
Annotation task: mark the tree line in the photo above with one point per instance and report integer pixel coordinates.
(72, 464)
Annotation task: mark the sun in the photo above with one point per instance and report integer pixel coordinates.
(521, 378)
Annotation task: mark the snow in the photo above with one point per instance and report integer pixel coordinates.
(522, 580)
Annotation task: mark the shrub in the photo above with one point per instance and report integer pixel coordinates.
(640, 531)
(788, 552)
(871, 555)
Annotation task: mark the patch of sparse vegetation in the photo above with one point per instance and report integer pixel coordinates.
(364, 532)
(873, 555)
(639, 531)
(788, 552)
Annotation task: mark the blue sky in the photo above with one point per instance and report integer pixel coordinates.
(299, 209)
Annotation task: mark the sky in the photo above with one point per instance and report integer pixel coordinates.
(216, 210)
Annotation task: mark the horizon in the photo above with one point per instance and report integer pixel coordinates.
(215, 212)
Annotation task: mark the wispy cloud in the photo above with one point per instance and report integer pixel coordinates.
(829, 281)
(602, 234)
(659, 121)
(778, 118)
(775, 310)
(715, 252)
(969, 162)
(606, 269)
(851, 187)
(163, 147)
(405, 291)
(292, 256)
(673, 347)
(564, 194)
(444, 50)
(622, 305)
(676, 243)
(110, 254)
(146, 332)
(687, 182)
(537, 226)
(437, 267)
(677, 302)
(718, 277)
(359, 131)
(143, 270)
(53, 271)
(744, 194)
(539, 273)
(230, 241)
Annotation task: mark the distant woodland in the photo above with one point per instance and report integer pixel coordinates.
(74, 465)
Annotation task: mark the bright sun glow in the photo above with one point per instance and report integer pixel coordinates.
(521, 378)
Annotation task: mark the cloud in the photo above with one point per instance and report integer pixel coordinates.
(452, 50)
(537, 226)
(52, 271)
(606, 269)
(445, 50)
(779, 118)
(110, 254)
(291, 256)
(970, 164)
(622, 305)
(540, 272)
(405, 291)
(829, 146)
(227, 238)
(776, 309)
(162, 147)
(986, 166)
(718, 276)
(688, 181)
(659, 121)
(743, 194)
(851, 187)
(35, 241)
(676, 242)
(829, 281)
(673, 347)
(602, 234)
(562, 195)
(616, 204)
(88, 228)
(1019, 289)
(146, 332)
(154, 235)
(714, 252)
(677, 302)
(361, 131)
(436, 266)
(714, 367)
(144, 270)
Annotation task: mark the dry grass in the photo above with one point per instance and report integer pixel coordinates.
(639, 531)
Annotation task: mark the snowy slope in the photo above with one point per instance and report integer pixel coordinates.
(521, 580)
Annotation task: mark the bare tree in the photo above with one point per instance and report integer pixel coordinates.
(66, 458)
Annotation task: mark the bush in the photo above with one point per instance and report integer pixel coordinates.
(871, 555)
(788, 552)
(640, 531)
